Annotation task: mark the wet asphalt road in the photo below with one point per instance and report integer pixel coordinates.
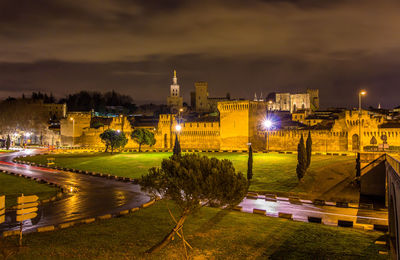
(95, 196)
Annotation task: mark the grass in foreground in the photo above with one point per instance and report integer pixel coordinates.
(13, 186)
(273, 173)
(213, 233)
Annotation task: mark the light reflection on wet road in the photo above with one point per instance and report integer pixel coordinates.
(329, 214)
(95, 197)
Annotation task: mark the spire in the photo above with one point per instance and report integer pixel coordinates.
(261, 97)
(175, 79)
(255, 97)
(379, 106)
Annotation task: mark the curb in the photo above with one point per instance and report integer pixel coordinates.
(45, 229)
(82, 221)
(317, 220)
(95, 174)
(59, 194)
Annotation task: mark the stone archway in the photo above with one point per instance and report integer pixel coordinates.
(355, 142)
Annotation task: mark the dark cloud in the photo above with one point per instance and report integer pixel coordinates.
(238, 46)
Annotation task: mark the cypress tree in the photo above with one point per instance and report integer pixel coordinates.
(8, 142)
(301, 159)
(308, 149)
(177, 146)
(250, 165)
(358, 165)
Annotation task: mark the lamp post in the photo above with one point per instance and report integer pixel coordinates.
(73, 130)
(267, 124)
(178, 128)
(360, 94)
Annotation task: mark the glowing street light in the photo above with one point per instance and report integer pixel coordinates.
(178, 128)
(267, 124)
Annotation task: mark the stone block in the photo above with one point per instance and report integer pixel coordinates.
(342, 204)
(378, 227)
(134, 210)
(66, 225)
(285, 215)
(345, 223)
(124, 212)
(88, 220)
(319, 202)
(238, 208)
(107, 216)
(259, 211)
(10, 233)
(145, 205)
(314, 219)
(45, 229)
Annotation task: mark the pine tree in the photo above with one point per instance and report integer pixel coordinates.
(308, 149)
(8, 142)
(193, 181)
(301, 159)
(177, 146)
(113, 139)
(250, 165)
(143, 136)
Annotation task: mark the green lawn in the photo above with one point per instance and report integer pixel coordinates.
(213, 233)
(273, 172)
(13, 186)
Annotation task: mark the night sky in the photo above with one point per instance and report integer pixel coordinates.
(241, 47)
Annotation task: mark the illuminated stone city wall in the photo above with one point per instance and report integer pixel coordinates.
(239, 125)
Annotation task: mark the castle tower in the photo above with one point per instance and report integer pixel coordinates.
(240, 123)
(201, 99)
(314, 98)
(175, 100)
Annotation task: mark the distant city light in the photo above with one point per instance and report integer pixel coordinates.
(178, 128)
(27, 134)
(118, 131)
(363, 92)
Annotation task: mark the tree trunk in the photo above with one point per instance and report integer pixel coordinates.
(106, 148)
(160, 245)
(112, 149)
(140, 145)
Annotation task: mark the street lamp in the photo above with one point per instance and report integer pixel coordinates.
(360, 94)
(178, 128)
(267, 124)
(73, 130)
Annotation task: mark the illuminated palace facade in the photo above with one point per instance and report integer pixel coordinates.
(238, 123)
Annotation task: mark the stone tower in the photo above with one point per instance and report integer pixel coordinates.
(175, 100)
(201, 96)
(240, 122)
(314, 98)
